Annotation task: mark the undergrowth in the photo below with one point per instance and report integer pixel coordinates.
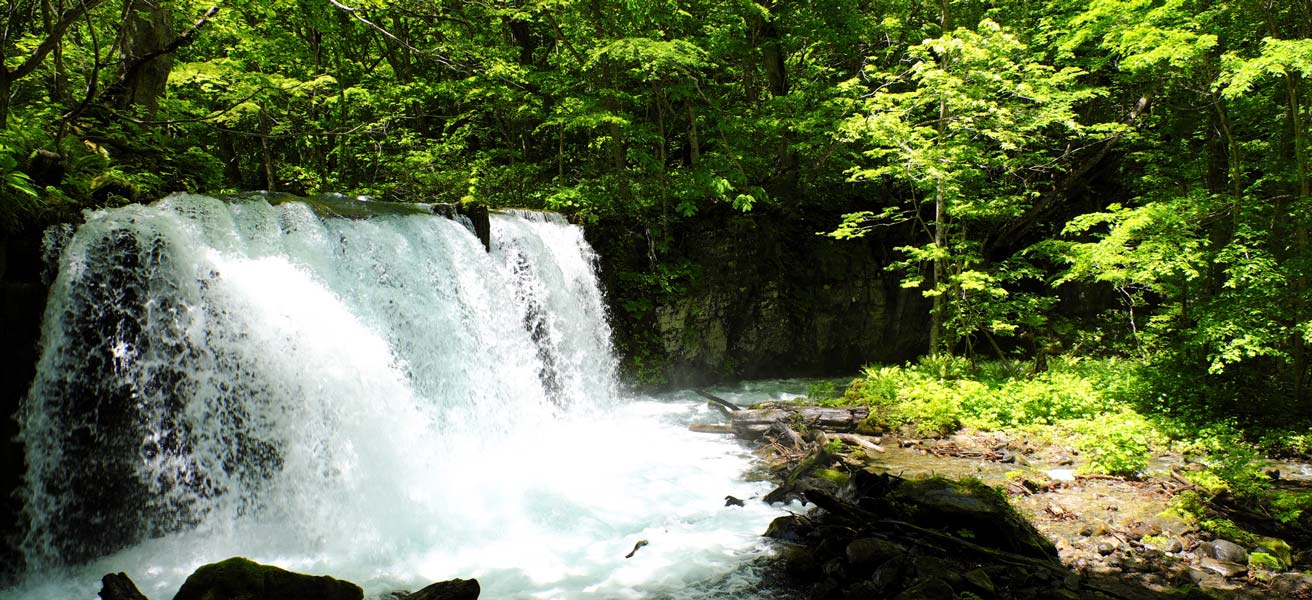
(1114, 412)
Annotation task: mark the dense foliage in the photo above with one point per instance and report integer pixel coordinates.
(1019, 153)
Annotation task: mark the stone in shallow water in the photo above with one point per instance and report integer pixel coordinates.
(242, 579)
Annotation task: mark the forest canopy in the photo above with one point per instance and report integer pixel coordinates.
(1156, 151)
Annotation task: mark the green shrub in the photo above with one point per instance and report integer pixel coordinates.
(1115, 443)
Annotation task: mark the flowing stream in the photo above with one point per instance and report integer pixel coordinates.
(379, 399)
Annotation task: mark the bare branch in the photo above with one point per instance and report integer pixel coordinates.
(355, 13)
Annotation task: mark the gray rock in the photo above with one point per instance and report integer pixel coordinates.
(1228, 551)
(241, 579)
(1174, 546)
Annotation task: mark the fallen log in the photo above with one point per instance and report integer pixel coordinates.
(725, 406)
(700, 428)
(858, 440)
(784, 432)
(754, 423)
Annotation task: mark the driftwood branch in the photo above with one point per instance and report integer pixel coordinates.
(858, 441)
(725, 406)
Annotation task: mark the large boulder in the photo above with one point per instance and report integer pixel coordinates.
(242, 579)
(971, 506)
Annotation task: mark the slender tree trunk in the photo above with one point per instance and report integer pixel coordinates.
(1304, 203)
(5, 84)
(937, 316)
(266, 155)
(936, 312)
(694, 144)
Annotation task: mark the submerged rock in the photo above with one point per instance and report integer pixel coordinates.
(242, 579)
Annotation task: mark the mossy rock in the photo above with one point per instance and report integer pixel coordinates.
(242, 579)
(975, 511)
(1277, 549)
(1261, 561)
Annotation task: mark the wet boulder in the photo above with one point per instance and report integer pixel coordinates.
(242, 579)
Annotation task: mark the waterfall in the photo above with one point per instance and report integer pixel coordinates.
(380, 398)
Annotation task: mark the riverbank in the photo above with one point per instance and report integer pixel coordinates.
(1151, 535)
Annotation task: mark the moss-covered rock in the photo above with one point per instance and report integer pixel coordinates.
(242, 579)
(1277, 549)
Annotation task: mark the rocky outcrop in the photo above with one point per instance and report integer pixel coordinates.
(22, 302)
(118, 586)
(455, 589)
(884, 537)
(242, 579)
(754, 295)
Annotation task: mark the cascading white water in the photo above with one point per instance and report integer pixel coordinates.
(377, 399)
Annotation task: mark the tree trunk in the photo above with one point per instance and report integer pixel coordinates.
(4, 97)
(694, 145)
(1304, 202)
(147, 30)
(936, 317)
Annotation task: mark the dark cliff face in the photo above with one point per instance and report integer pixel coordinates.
(759, 295)
(22, 302)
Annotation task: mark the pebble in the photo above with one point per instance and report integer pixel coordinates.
(1105, 549)
(1174, 546)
